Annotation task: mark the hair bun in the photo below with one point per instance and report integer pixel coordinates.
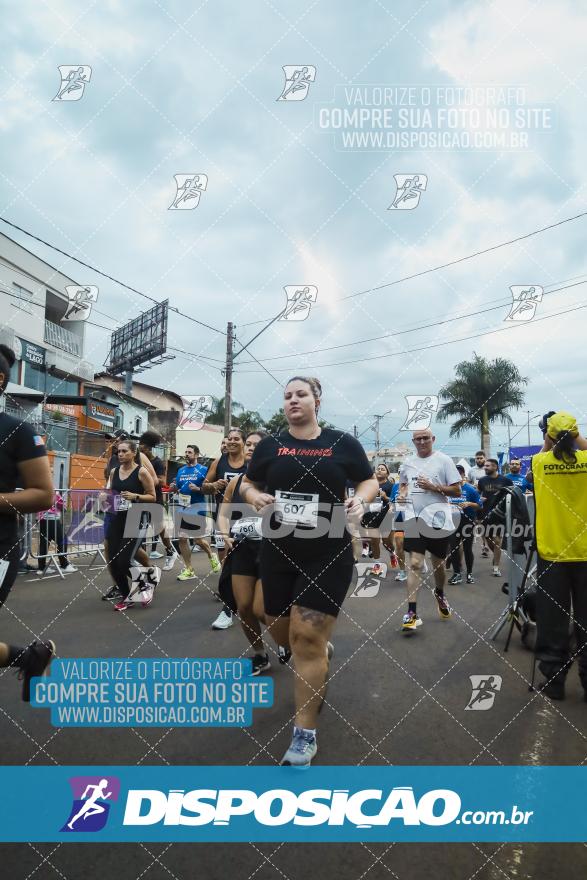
(318, 385)
(8, 354)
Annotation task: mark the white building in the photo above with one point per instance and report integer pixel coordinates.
(51, 363)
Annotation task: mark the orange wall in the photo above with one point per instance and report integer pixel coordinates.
(86, 472)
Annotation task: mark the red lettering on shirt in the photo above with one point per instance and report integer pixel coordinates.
(323, 453)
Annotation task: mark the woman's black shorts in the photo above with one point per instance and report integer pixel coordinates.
(320, 584)
(245, 558)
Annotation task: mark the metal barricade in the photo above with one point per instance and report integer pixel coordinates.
(74, 526)
(174, 504)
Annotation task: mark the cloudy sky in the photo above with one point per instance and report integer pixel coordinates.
(184, 88)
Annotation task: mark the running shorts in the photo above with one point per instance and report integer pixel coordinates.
(319, 584)
(438, 547)
(199, 525)
(245, 558)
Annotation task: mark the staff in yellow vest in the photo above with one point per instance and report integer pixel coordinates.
(560, 494)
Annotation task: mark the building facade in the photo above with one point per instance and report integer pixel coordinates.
(46, 382)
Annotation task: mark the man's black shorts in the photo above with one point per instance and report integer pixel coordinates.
(245, 558)
(438, 547)
(319, 584)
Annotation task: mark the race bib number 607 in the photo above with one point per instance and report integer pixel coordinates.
(297, 508)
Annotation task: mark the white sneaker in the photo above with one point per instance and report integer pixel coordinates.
(223, 621)
(365, 552)
(170, 561)
(69, 569)
(496, 571)
(401, 575)
(154, 554)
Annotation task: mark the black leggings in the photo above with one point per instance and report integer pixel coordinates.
(120, 552)
(9, 579)
(455, 558)
(52, 530)
(561, 585)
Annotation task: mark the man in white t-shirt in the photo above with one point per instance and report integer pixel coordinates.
(427, 480)
(478, 469)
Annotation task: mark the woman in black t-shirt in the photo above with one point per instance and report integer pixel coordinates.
(23, 463)
(306, 561)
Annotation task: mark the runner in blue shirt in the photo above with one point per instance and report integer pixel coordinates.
(516, 477)
(187, 484)
(468, 505)
(397, 536)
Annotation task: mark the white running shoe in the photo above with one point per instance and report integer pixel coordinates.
(69, 569)
(170, 561)
(401, 575)
(496, 571)
(302, 749)
(223, 621)
(154, 554)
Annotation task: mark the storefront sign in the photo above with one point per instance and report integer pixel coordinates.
(101, 412)
(32, 353)
(66, 409)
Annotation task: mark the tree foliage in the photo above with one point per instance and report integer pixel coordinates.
(482, 393)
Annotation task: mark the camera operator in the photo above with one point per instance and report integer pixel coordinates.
(560, 493)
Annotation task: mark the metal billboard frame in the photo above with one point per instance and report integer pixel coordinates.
(140, 342)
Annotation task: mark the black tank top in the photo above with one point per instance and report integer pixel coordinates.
(248, 511)
(225, 471)
(132, 484)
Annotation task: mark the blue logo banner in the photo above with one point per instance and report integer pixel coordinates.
(321, 804)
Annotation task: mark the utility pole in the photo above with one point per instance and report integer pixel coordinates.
(377, 439)
(355, 432)
(528, 411)
(228, 378)
(128, 382)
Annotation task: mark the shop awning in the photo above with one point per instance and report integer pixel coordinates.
(39, 397)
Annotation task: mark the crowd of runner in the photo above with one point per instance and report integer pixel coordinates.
(292, 514)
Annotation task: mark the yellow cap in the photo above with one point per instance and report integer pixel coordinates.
(562, 421)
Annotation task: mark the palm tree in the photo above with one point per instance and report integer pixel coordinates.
(216, 416)
(481, 393)
(249, 420)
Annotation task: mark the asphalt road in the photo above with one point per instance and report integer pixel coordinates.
(392, 699)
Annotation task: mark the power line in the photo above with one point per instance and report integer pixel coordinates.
(512, 326)
(391, 335)
(450, 262)
(110, 277)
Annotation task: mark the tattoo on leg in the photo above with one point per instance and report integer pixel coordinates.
(308, 615)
